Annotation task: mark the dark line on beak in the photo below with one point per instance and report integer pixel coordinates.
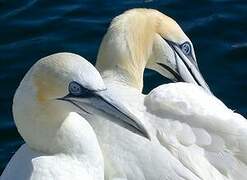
(175, 74)
(79, 107)
(141, 132)
(139, 129)
(189, 69)
(70, 101)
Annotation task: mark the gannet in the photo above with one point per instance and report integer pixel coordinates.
(51, 108)
(197, 128)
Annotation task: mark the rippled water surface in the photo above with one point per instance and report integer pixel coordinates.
(30, 30)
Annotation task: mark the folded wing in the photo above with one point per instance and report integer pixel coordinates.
(199, 130)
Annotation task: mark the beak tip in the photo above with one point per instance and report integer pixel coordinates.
(148, 137)
(145, 134)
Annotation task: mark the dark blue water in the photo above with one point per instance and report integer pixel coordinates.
(33, 29)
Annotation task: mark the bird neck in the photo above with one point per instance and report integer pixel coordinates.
(50, 129)
(126, 48)
(76, 138)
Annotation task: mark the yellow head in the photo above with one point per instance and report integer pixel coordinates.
(52, 89)
(146, 38)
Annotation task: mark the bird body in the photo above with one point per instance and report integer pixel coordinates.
(206, 137)
(127, 154)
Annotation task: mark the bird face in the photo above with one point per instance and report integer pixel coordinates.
(174, 54)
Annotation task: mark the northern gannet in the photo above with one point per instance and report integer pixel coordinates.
(198, 129)
(51, 108)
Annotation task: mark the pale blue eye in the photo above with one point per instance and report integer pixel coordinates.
(186, 48)
(75, 88)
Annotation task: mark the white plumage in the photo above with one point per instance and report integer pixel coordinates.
(60, 143)
(178, 131)
(30, 164)
(205, 136)
(209, 129)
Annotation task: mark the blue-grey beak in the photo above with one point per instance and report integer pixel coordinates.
(186, 67)
(104, 102)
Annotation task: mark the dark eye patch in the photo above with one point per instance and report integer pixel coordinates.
(186, 48)
(76, 89)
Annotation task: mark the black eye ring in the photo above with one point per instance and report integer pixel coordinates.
(186, 48)
(75, 88)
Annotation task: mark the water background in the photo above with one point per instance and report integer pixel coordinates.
(30, 30)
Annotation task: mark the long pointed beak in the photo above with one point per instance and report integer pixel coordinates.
(103, 101)
(186, 68)
(116, 108)
(189, 70)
